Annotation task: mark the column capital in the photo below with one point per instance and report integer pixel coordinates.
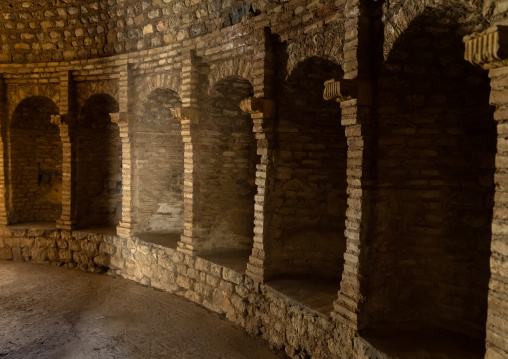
(488, 49)
(186, 113)
(62, 120)
(340, 90)
(254, 105)
(120, 118)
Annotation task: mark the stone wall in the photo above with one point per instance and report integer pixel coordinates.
(35, 162)
(261, 310)
(159, 163)
(436, 147)
(99, 158)
(308, 199)
(392, 189)
(227, 167)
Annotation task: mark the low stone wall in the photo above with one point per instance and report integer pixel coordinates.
(285, 323)
(89, 252)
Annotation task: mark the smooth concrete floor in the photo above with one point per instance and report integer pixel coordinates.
(49, 312)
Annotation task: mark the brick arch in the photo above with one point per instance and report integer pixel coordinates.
(23, 92)
(231, 68)
(106, 87)
(164, 80)
(327, 46)
(398, 17)
(35, 162)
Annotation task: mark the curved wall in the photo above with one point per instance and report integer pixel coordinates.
(66, 30)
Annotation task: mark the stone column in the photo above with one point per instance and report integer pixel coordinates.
(262, 112)
(124, 122)
(190, 239)
(489, 50)
(3, 158)
(66, 125)
(355, 101)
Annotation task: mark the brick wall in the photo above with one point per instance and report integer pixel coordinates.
(61, 31)
(430, 250)
(227, 166)
(99, 176)
(159, 163)
(35, 162)
(308, 200)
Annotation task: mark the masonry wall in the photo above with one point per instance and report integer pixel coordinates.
(99, 175)
(61, 31)
(427, 256)
(159, 163)
(227, 166)
(308, 200)
(35, 162)
(436, 147)
(262, 311)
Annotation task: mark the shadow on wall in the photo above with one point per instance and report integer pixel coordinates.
(308, 201)
(227, 166)
(36, 162)
(99, 164)
(429, 260)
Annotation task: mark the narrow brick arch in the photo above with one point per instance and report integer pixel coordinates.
(239, 67)
(145, 85)
(35, 156)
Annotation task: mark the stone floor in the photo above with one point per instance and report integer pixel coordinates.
(49, 312)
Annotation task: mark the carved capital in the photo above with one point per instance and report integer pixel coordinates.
(488, 49)
(186, 113)
(120, 118)
(62, 120)
(341, 90)
(254, 105)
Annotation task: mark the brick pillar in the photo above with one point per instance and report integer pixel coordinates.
(262, 112)
(188, 115)
(192, 237)
(355, 102)
(123, 119)
(3, 158)
(354, 93)
(489, 50)
(124, 122)
(66, 125)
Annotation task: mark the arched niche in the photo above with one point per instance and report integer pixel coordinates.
(309, 192)
(306, 206)
(35, 184)
(429, 252)
(158, 180)
(99, 164)
(227, 167)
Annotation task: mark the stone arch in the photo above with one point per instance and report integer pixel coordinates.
(308, 197)
(327, 45)
(21, 92)
(429, 251)
(35, 162)
(398, 16)
(239, 67)
(145, 85)
(158, 180)
(227, 166)
(99, 163)
(87, 89)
